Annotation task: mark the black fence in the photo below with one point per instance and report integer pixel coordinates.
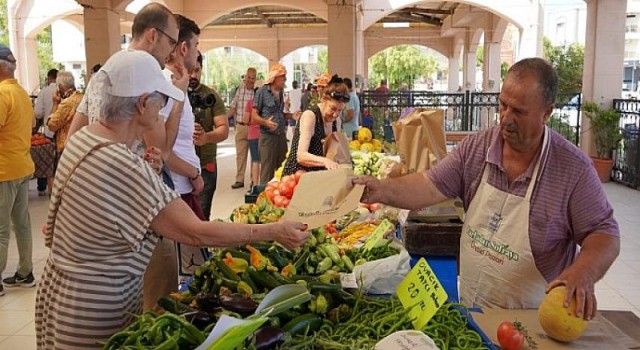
(464, 111)
(626, 160)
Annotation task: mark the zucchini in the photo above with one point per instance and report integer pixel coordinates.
(226, 271)
(301, 260)
(248, 280)
(303, 324)
(262, 278)
(281, 279)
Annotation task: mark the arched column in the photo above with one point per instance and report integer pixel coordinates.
(531, 34)
(101, 30)
(491, 58)
(603, 58)
(341, 32)
(469, 57)
(454, 64)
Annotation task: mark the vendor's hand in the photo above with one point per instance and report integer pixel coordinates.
(581, 285)
(180, 78)
(199, 135)
(330, 165)
(372, 191)
(198, 185)
(153, 156)
(291, 234)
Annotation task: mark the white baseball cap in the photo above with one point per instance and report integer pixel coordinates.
(134, 73)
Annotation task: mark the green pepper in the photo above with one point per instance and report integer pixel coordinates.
(324, 265)
(347, 263)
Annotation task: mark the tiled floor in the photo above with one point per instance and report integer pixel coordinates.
(619, 290)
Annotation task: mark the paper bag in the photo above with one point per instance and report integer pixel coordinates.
(323, 196)
(336, 148)
(420, 139)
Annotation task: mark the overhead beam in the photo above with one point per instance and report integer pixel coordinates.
(262, 17)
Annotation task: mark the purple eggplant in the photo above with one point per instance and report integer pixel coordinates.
(267, 338)
(238, 304)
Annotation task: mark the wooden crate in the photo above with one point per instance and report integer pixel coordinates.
(432, 239)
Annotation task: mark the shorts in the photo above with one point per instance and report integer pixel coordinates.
(254, 151)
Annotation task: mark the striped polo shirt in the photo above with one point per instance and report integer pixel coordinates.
(567, 204)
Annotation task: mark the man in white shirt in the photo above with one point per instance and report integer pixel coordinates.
(42, 111)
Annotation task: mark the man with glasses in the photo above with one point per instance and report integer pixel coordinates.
(243, 94)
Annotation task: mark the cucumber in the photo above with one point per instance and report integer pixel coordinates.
(303, 324)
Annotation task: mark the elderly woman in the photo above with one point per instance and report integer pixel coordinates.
(65, 102)
(109, 208)
(307, 152)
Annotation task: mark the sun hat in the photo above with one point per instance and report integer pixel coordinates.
(134, 73)
(6, 54)
(276, 70)
(323, 80)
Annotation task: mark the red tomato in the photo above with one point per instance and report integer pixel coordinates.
(298, 174)
(272, 185)
(269, 192)
(285, 203)
(509, 337)
(278, 201)
(289, 178)
(276, 192)
(375, 206)
(286, 189)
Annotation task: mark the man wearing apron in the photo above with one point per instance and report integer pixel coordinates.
(531, 199)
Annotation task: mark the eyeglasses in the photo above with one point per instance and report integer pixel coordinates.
(173, 42)
(339, 96)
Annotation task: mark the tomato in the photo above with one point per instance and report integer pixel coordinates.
(375, 206)
(289, 178)
(272, 185)
(285, 203)
(298, 174)
(276, 192)
(278, 201)
(286, 189)
(269, 192)
(509, 337)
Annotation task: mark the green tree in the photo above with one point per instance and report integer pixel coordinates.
(400, 64)
(568, 62)
(45, 55)
(225, 67)
(323, 60)
(4, 33)
(480, 56)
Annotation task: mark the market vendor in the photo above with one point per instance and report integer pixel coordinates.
(531, 199)
(307, 152)
(109, 208)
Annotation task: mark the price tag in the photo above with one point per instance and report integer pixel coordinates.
(348, 280)
(378, 234)
(422, 292)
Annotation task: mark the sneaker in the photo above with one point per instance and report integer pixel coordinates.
(19, 281)
(1, 290)
(237, 185)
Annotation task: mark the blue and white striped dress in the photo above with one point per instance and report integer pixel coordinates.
(100, 245)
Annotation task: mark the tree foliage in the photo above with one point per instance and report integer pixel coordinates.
(568, 62)
(4, 33)
(225, 67)
(45, 55)
(400, 64)
(323, 60)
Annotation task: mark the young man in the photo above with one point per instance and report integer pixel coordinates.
(211, 127)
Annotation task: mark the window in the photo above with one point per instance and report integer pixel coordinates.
(561, 33)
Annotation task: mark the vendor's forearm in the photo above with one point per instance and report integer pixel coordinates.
(309, 160)
(597, 253)
(413, 191)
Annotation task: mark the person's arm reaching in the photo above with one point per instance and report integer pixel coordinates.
(178, 222)
(413, 191)
(307, 127)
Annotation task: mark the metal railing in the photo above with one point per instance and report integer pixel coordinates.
(626, 158)
(464, 111)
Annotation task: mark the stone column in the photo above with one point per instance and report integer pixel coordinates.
(101, 32)
(342, 38)
(361, 60)
(27, 64)
(454, 73)
(491, 67)
(603, 58)
(531, 36)
(469, 72)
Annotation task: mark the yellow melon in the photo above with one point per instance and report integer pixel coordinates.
(364, 135)
(354, 145)
(366, 147)
(558, 322)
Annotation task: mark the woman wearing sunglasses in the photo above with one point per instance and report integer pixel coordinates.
(315, 124)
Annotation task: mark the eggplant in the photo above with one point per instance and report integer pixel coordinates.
(268, 338)
(201, 320)
(238, 304)
(207, 302)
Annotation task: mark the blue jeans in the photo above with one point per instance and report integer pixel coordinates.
(42, 184)
(14, 209)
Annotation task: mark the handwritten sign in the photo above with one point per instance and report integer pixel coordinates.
(406, 340)
(378, 234)
(422, 292)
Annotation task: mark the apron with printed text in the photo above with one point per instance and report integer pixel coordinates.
(497, 268)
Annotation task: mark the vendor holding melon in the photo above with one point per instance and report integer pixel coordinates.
(307, 152)
(531, 199)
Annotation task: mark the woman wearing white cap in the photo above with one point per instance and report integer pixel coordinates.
(109, 208)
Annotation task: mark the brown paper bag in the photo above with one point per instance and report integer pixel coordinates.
(323, 196)
(336, 148)
(420, 139)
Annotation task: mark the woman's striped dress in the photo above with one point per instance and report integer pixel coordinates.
(100, 245)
